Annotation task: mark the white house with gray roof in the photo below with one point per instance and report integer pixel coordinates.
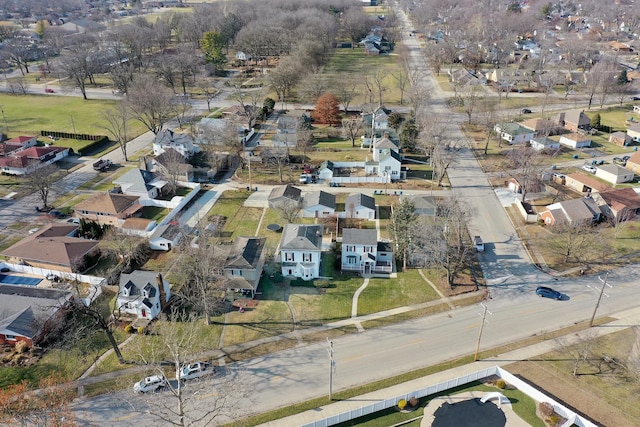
(318, 204)
(141, 183)
(360, 206)
(362, 252)
(300, 250)
(513, 133)
(143, 294)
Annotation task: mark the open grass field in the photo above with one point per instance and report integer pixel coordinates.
(29, 114)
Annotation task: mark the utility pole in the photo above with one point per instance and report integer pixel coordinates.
(484, 318)
(4, 119)
(604, 283)
(73, 124)
(332, 364)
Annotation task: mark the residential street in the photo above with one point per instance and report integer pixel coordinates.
(302, 373)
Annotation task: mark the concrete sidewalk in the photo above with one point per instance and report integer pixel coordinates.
(623, 321)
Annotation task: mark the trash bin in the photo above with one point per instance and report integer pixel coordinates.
(575, 156)
(248, 188)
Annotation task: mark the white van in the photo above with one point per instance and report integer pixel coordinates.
(477, 241)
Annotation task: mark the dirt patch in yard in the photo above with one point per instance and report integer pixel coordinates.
(566, 390)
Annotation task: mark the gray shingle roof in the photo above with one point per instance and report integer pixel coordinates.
(301, 237)
(287, 191)
(245, 252)
(357, 236)
(320, 198)
(359, 199)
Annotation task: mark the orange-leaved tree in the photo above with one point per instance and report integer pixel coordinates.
(327, 109)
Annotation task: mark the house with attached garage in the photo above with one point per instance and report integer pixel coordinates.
(244, 263)
(143, 294)
(620, 138)
(583, 183)
(300, 250)
(361, 252)
(25, 161)
(318, 204)
(575, 211)
(513, 133)
(633, 163)
(360, 205)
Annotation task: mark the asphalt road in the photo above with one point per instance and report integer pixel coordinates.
(302, 373)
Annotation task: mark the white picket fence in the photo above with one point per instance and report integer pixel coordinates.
(381, 405)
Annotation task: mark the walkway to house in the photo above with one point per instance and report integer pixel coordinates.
(354, 303)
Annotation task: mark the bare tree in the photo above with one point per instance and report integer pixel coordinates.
(278, 157)
(115, 122)
(403, 220)
(41, 181)
(173, 169)
(289, 210)
(200, 272)
(150, 102)
(177, 340)
(208, 91)
(284, 77)
(345, 88)
(355, 24)
(249, 103)
(471, 95)
(352, 129)
(574, 242)
(75, 63)
(526, 165)
(580, 347)
(378, 78)
(130, 250)
(18, 85)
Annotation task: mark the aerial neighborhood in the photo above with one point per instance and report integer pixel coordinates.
(206, 202)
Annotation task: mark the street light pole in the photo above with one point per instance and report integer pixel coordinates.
(331, 365)
(4, 119)
(484, 316)
(604, 283)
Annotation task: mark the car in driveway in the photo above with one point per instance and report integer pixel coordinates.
(619, 161)
(525, 111)
(546, 292)
(196, 370)
(304, 178)
(150, 384)
(58, 214)
(589, 169)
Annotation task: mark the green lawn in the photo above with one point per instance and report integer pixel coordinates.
(29, 114)
(382, 294)
(154, 212)
(522, 405)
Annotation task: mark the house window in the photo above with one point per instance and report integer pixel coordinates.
(306, 257)
(10, 337)
(236, 272)
(352, 259)
(387, 168)
(289, 256)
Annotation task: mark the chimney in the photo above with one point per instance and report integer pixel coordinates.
(163, 294)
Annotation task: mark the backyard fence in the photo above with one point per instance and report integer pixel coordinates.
(538, 396)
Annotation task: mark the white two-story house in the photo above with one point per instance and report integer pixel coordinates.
(300, 250)
(362, 252)
(143, 294)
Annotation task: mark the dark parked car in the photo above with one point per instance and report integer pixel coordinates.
(625, 158)
(543, 291)
(636, 98)
(525, 111)
(58, 214)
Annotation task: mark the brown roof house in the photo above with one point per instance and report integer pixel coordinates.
(108, 208)
(542, 127)
(574, 120)
(243, 265)
(620, 138)
(574, 211)
(54, 248)
(633, 164)
(622, 204)
(583, 183)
